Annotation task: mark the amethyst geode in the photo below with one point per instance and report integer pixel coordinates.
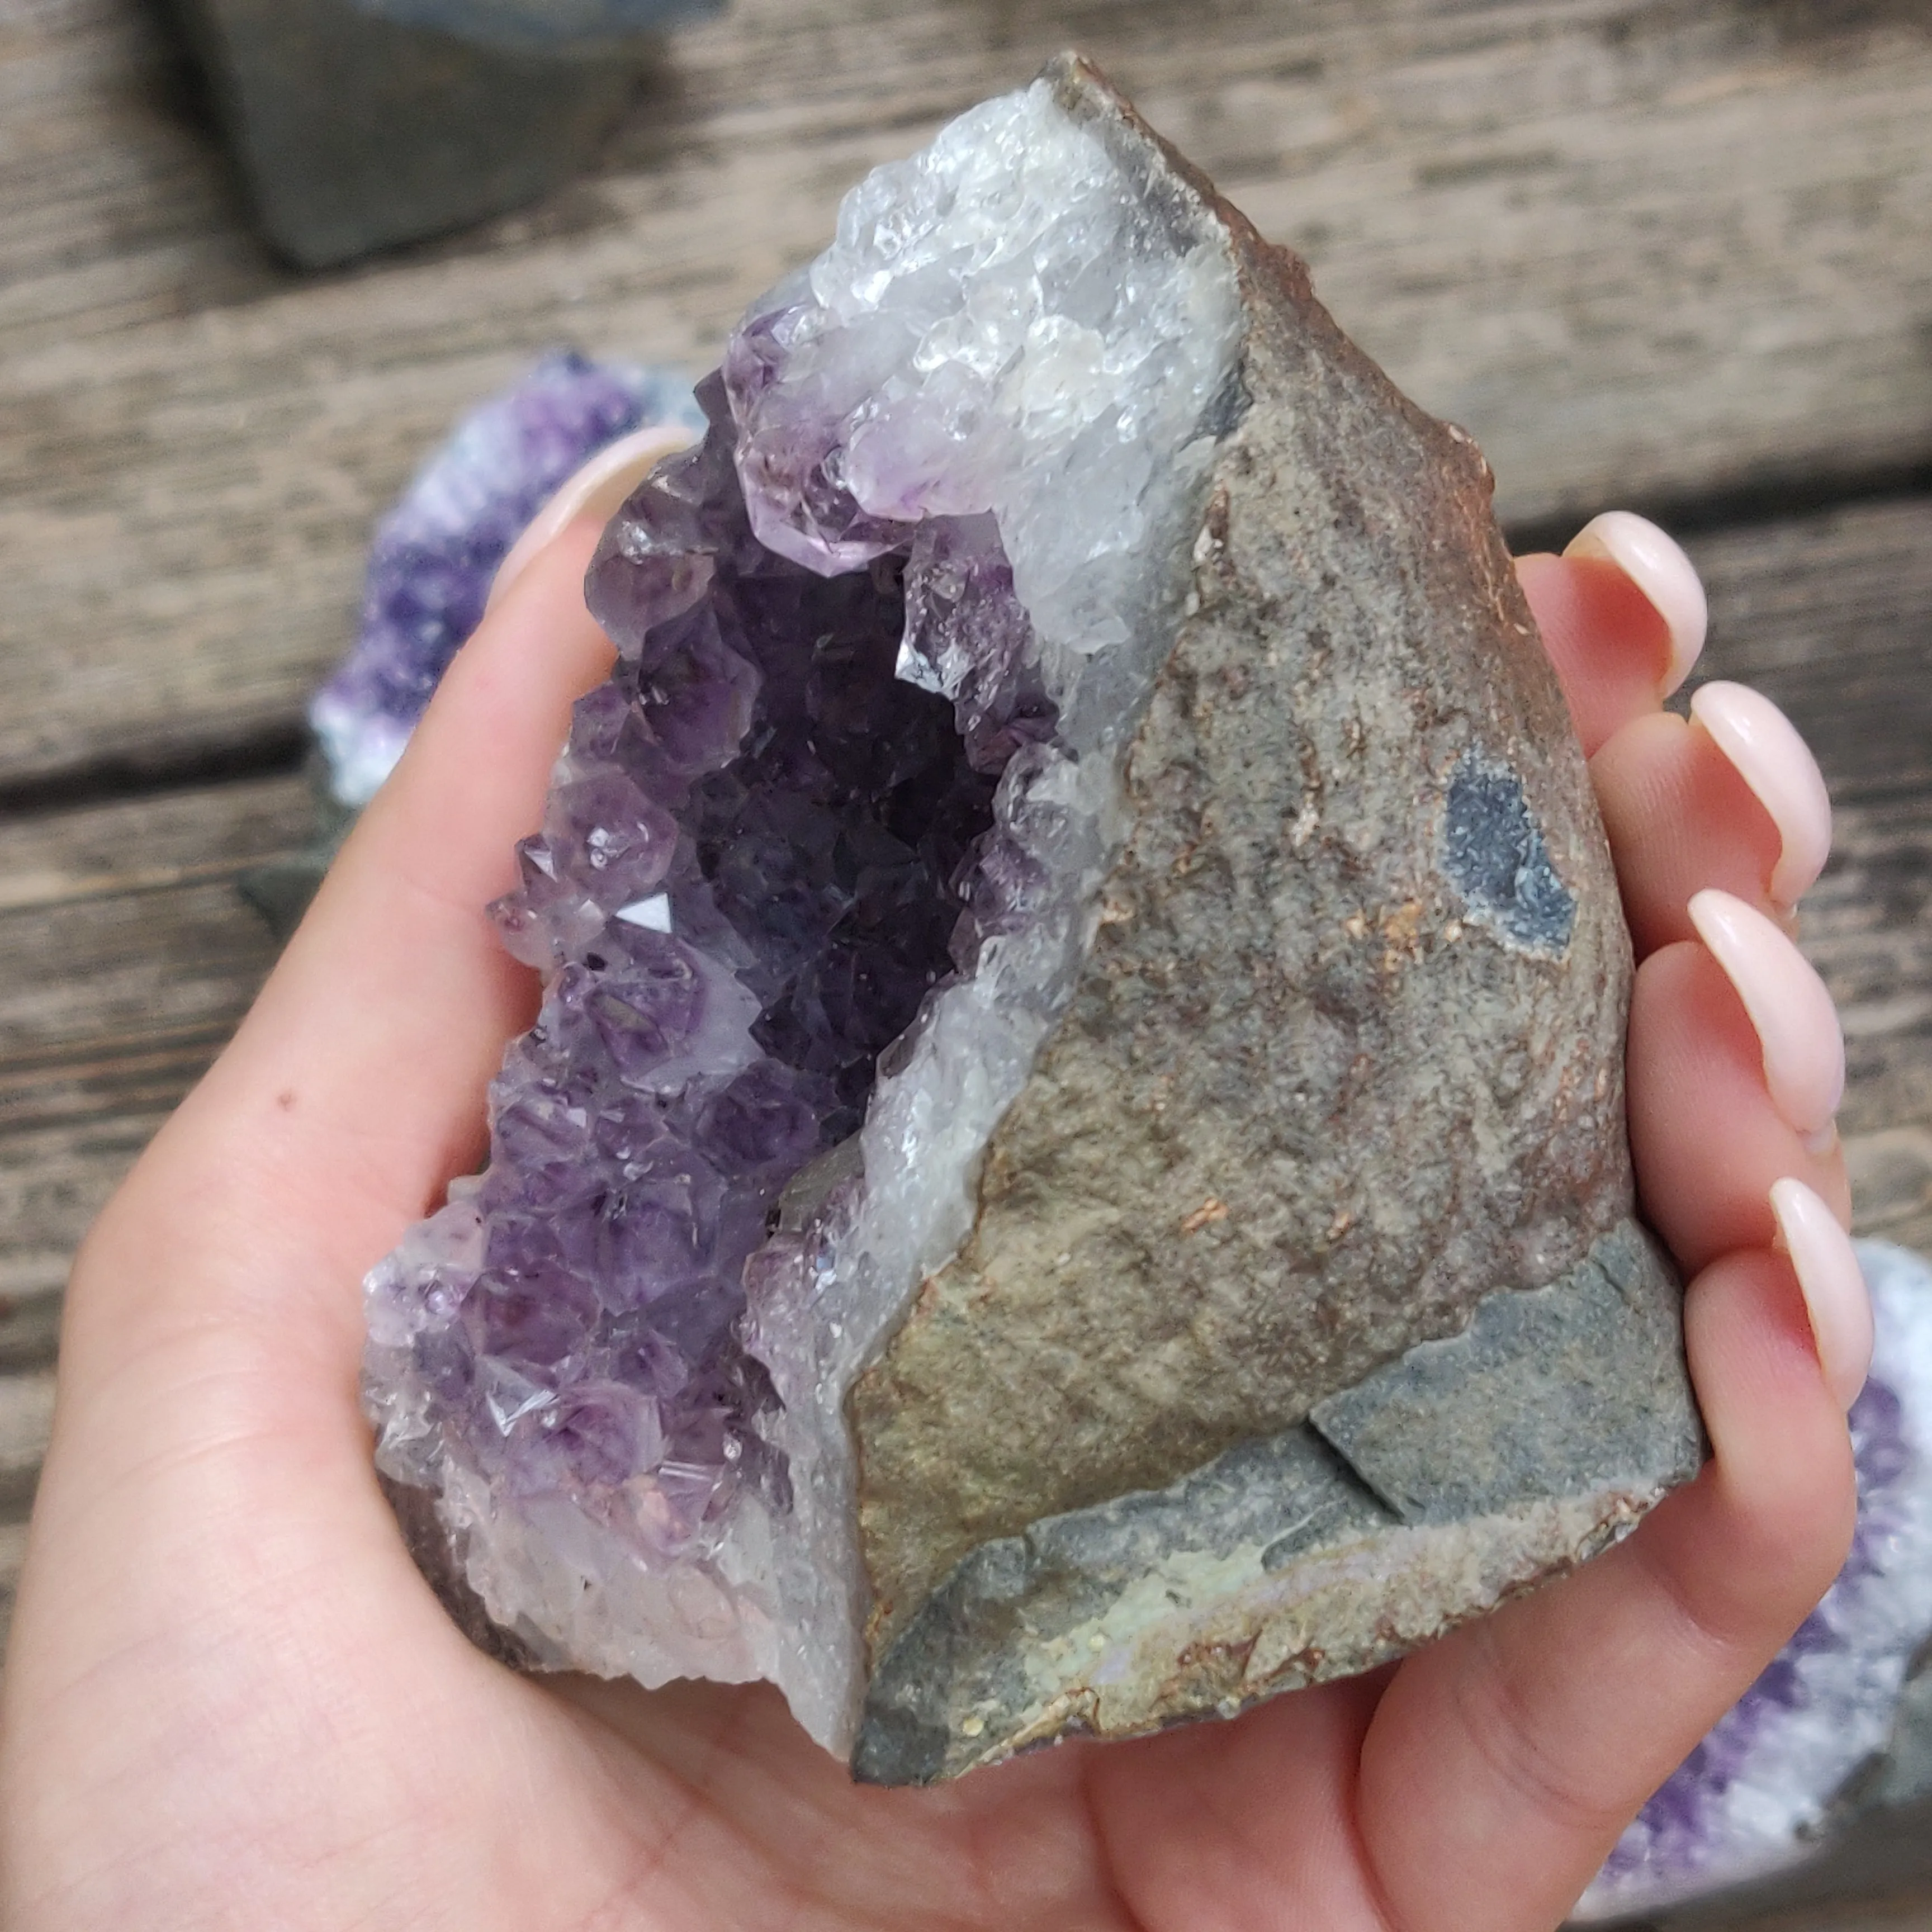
(1070, 1173)
(436, 551)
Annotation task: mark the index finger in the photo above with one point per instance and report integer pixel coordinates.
(355, 1088)
(1622, 615)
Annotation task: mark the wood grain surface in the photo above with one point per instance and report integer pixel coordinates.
(1670, 253)
(1647, 253)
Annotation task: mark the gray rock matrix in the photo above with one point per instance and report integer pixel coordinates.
(1183, 1423)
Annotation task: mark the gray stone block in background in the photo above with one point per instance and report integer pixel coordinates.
(354, 133)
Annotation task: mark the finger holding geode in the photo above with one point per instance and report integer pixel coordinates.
(1071, 1172)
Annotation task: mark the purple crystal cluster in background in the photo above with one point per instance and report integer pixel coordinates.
(436, 551)
(1747, 1801)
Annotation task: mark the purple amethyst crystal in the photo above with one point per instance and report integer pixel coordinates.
(435, 553)
(1751, 1798)
(753, 873)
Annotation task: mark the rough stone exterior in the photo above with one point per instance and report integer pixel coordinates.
(1347, 1058)
(1349, 1048)
(1579, 1385)
(1464, 1470)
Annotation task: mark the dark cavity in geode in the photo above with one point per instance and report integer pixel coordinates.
(756, 782)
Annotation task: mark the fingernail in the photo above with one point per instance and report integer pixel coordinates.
(599, 488)
(1767, 753)
(1835, 1296)
(1797, 1024)
(1660, 570)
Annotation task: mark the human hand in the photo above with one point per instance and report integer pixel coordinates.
(232, 1702)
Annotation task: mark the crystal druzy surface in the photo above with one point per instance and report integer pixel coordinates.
(436, 551)
(846, 792)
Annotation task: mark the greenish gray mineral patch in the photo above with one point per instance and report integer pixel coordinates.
(1438, 1485)
(1555, 1391)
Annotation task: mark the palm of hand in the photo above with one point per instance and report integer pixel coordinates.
(231, 1702)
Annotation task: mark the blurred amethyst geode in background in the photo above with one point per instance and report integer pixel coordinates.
(434, 556)
(1765, 1789)
(436, 553)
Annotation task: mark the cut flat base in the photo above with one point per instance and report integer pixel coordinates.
(1452, 1478)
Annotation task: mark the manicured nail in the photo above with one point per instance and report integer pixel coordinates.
(1665, 576)
(1764, 747)
(1835, 1295)
(598, 489)
(1797, 1024)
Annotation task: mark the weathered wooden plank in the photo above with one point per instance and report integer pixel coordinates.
(122, 944)
(1891, 1184)
(52, 1182)
(1644, 252)
(12, 1551)
(115, 199)
(1832, 615)
(1868, 932)
(126, 958)
(26, 1416)
(1904, 1912)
